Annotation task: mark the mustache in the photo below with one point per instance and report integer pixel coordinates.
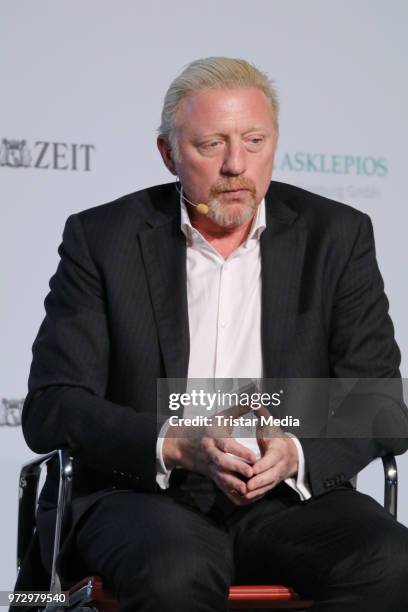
(231, 184)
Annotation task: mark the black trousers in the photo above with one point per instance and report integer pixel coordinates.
(342, 549)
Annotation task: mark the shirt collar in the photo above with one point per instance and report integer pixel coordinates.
(190, 232)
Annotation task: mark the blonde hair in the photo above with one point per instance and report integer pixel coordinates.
(212, 73)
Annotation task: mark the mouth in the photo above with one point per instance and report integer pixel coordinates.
(234, 190)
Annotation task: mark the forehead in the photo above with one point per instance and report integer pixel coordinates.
(224, 109)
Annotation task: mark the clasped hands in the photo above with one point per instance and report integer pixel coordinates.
(213, 452)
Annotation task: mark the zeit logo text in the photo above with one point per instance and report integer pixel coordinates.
(61, 156)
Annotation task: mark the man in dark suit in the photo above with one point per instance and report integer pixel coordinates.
(260, 279)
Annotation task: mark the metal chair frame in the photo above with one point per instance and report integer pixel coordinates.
(28, 495)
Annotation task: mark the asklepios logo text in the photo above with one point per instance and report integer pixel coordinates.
(332, 163)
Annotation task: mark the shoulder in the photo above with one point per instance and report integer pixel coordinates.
(320, 215)
(128, 215)
(312, 205)
(110, 231)
(138, 207)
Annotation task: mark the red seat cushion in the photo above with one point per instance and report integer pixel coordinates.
(261, 593)
(266, 597)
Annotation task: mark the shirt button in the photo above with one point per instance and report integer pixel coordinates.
(223, 324)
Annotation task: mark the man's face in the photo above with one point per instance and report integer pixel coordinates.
(226, 142)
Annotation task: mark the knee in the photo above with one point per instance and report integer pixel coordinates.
(382, 560)
(175, 580)
(395, 571)
(390, 548)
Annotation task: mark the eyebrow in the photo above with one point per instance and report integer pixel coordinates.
(256, 128)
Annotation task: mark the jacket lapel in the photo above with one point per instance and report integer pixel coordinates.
(282, 252)
(164, 253)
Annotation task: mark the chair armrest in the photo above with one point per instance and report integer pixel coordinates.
(391, 484)
(28, 493)
(27, 502)
(63, 513)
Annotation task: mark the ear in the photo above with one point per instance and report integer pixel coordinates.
(167, 154)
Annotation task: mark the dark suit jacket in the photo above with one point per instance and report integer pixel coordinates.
(117, 319)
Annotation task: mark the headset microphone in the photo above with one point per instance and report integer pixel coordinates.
(201, 206)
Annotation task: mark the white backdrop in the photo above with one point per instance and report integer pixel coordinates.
(82, 84)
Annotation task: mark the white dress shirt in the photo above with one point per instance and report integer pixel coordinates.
(224, 312)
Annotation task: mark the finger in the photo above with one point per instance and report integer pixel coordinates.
(258, 493)
(237, 500)
(232, 463)
(235, 464)
(271, 476)
(226, 462)
(265, 433)
(228, 482)
(270, 459)
(231, 445)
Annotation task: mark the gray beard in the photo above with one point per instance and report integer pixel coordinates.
(222, 216)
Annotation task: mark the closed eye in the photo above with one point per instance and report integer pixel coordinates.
(211, 145)
(256, 139)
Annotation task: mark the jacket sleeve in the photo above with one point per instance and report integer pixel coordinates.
(361, 346)
(66, 405)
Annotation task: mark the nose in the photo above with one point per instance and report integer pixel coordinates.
(234, 162)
